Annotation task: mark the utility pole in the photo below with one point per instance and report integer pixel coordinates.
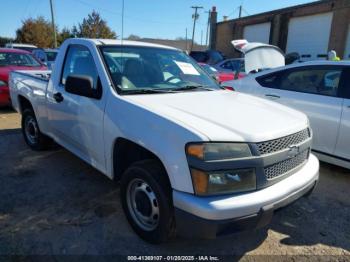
(53, 24)
(240, 11)
(201, 37)
(208, 24)
(195, 17)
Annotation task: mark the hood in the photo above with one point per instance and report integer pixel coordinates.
(225, 115)
(5, 70)
(258, 56)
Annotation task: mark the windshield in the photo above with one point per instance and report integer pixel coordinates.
(17, 59)
(209, 69)
(137, 69)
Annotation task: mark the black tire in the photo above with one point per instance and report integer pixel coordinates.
(31, 132)
(154, 176)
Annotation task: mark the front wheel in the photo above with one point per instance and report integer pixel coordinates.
(146, 200)
(31, 132)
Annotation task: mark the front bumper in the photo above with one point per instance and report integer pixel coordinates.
(211, 216)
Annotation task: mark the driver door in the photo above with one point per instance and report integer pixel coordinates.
(77, 121)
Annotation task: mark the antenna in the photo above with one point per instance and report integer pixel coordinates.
(122, 36)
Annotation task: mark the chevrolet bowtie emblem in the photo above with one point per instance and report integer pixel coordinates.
(293, 151)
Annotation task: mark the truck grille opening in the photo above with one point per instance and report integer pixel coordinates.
(284, 166)
(283, 142)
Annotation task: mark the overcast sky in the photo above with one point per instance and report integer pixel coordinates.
(147, 18)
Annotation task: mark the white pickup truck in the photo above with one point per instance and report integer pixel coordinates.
(193, 159)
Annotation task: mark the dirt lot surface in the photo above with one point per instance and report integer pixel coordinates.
(53, 203)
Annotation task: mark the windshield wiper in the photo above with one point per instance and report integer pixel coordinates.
(147, 91)
(191, 87)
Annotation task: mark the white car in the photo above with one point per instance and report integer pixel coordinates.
(321, 89)
(26, 47)
(188, 163)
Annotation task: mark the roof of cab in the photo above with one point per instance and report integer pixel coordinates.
(101, 42)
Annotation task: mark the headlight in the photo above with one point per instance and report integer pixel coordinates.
(223, 182)
(218, 151)
(3, 83)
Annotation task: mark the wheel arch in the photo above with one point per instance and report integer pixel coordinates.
(24, 103)
(127, 152)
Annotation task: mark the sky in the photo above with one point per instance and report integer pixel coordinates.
(166, 19)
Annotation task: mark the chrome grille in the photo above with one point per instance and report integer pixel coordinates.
(284, 166)
(283, 142)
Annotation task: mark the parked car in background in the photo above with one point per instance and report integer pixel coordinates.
(219, 76)
(25, 47)
(210, 57)
(321, 89)
(259, 56)
(231, 65)
(192, 158)
(10, 60)
(46, 56)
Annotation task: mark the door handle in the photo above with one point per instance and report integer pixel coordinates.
(273, 96)
(58, 97)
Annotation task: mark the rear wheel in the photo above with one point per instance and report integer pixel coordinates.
(146, 199)
(31, 132)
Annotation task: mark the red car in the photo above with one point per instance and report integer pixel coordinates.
(220, 76)
(10, 60)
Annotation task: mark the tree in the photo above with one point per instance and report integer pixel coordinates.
(5, 40)
(64, 34)
(133, 37)
(36, 31)
(180, 38)
(94, 27)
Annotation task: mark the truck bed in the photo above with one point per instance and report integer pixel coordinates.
(29, 83)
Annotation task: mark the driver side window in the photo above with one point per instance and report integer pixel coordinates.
(79, 61)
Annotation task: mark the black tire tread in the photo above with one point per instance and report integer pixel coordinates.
(44, 141)
(159, 175)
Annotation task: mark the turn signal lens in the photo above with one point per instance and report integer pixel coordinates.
(196, 150)
(218, 151)
(200, 181)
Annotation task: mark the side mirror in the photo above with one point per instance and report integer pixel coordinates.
(82, 85)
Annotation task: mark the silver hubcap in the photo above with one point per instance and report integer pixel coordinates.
(31, 130)
(143, 204)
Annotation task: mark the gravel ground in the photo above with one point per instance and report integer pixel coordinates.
(52, 203)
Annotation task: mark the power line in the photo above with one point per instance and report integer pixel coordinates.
(245, 11)
(233, 12)
(128, 16)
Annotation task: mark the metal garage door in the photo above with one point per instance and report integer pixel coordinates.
(257, 33)
(309, 36)
(347, 47)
